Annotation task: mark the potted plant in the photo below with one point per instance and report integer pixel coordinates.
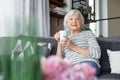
(84, 12)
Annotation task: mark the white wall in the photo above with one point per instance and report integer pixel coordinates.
(114, 11)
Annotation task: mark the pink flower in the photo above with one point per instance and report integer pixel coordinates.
(55, 68)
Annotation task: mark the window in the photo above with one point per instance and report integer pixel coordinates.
(92, 25)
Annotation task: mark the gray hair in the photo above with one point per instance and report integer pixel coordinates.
(74, 11)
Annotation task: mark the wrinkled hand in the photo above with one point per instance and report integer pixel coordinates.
(57, 36)
(67, 42)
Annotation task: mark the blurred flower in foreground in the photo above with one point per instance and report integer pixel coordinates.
(55, 68)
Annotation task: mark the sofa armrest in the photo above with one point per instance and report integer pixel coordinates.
(49, 40)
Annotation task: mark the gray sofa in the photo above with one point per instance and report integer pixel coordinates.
(112, 43)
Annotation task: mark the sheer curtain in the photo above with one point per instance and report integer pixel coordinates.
(43, 18)
(24, 17)
(10, 17)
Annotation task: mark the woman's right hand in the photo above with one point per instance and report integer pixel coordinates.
(59, 47)
(57, 36)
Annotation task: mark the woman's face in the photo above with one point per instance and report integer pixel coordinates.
(74, 22)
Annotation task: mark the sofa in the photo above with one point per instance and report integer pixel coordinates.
(112, 43)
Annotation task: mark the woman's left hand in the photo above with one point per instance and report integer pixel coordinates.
(67, 42)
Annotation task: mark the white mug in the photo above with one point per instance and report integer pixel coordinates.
(63, 33)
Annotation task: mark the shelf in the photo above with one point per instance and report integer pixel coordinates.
(57, 3)
(56, 15)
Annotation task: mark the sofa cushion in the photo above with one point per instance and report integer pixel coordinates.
(112, 43)
(114, 57)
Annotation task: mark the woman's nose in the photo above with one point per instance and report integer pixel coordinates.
(74, 20)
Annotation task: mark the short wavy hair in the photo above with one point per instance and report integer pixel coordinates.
(71, 12)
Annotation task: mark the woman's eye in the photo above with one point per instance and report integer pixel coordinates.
(74, 19)
(77, 19)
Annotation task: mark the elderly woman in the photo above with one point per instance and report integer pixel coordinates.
(80, 46)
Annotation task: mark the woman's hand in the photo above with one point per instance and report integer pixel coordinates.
(57, 36)
(67, 42)
(59, 46)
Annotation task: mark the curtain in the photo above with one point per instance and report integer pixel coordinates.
(24, 17)
(10, 16)
(43, 18)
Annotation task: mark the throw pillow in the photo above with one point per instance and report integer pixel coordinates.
(114, 58)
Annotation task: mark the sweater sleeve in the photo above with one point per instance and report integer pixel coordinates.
(94, 48)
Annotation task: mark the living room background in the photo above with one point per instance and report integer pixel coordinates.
(15, 14)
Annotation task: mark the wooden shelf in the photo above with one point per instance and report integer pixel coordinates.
(56, 15)
(57, 3)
